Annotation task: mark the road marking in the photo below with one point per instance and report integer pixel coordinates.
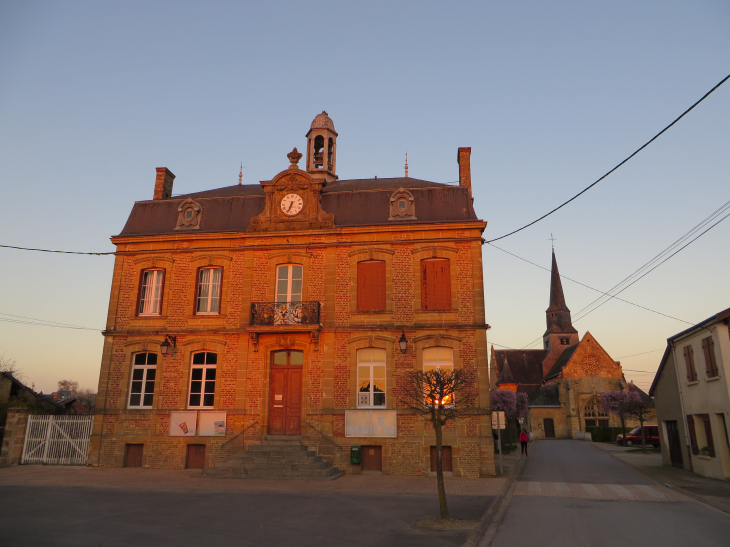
(619, 492)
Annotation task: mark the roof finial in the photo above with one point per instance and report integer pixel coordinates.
(240, 175)
(552, 240)
(406, 163)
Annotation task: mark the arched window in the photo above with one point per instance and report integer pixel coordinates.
(439, 358)
(202, 380)
(318, 152)
(594, 414)
(289, 283)
(142, 388)
(371, 378)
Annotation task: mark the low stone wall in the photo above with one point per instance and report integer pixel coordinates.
(15, 428)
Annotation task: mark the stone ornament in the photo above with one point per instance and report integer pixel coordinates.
(402, 205)
(189, 215)
(589, 364)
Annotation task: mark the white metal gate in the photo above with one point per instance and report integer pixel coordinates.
(57, 440)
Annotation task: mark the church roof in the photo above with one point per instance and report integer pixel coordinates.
(547, 395)
(636, 389)
(524, 365)
(558, 314)
(359, 202)
(561, 362)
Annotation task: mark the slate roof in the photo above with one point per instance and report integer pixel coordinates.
(561, 362)
(358, 202)
(547, 395)
(520, 366)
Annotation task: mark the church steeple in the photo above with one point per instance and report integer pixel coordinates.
(560, 333)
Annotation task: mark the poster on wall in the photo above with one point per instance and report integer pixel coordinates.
(183, 424)
(384, 423)
(370, 423)
(212, 424)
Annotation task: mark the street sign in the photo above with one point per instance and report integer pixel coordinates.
(521, 420)
(498, 420)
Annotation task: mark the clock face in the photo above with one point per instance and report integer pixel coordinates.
(291, 204)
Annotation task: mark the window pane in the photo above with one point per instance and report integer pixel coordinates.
(139, 359)
(296, 290)
(210, 374)
(378, 399)
(137, 374)
(363, 377)
(364, 356)
(211, 358)
(151, 373)
(196, 386)
(134, 400)
(197, 374)
(137, 387)
(208, 400)
(296, 358)
(148, 399)
(283, 272)
(199, 358)
(296, 272)
(151, 358)
(379, 372)
(430, 354)
(378, 356)
(194, 399)
(281, 291)
(217, 273)
(445, 354)
(280, 358)
(149, 386)
(210, 386)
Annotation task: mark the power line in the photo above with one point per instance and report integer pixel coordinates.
(643, 353)
(51, 251)
(589, 287)
(619, 165)
(22, 320)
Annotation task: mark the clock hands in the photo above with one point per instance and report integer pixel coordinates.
(291, 204)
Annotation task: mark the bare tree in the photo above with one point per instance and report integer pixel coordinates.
(68, 385)
(11, 366)
(440, 395)
(86, 397)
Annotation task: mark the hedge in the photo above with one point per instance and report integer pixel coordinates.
(605, 434)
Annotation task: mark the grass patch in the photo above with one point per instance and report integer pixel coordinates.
(649, 450)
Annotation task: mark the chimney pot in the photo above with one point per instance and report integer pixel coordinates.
(464, 160)
(163, 183)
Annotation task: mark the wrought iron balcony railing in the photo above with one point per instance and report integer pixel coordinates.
(285, 313)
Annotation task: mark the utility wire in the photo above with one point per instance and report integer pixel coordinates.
(619, 165)
(589, 287)
(50, 251)
(10, 318)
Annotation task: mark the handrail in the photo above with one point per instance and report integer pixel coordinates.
(310, 424)
(239, 434)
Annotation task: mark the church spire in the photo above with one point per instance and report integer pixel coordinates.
(558, 314)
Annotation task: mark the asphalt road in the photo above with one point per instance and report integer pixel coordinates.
(532, 520)
(94, 517)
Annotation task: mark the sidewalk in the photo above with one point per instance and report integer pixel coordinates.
(711, 491)
(192, 480)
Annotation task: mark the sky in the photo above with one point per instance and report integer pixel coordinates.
(549, 96)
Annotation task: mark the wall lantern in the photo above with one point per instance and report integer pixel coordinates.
(166, 345)
(403, 343)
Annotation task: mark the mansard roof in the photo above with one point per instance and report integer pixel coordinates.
(358, 202)
(524, 365)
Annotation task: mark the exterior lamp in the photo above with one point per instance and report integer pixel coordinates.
(165, 346)
(403, 343)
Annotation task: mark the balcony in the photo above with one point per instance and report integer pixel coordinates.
(273, 314)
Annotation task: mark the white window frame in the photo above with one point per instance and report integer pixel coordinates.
(145, 368)
(150, 293)
(286, 272)
(212, 288)
(205, 367)
(438, 364)
(370, 403)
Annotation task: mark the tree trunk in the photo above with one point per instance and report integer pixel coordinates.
(623, 430)
(440, 469)
(643, 435)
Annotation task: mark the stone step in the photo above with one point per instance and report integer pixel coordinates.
(251, 459)
(268, 447)
(291, 474)
(287, 466)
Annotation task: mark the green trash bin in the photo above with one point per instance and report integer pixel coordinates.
(355, 455)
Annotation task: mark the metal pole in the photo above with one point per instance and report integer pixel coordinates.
(499, 440)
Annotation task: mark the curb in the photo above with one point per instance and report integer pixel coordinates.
(492, 517)
(692, 495)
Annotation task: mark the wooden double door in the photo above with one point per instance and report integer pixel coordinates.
(285, 393)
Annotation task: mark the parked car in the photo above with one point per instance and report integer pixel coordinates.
(633, 437)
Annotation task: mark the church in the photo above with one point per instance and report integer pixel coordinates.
(564, 379)
(289, 312)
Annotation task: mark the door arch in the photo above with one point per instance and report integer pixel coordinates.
(285, 392)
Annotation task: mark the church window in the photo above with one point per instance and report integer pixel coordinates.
(564, 341)
(371, 285)
(150, 292)
(142, 387)
(209, 291)
(371, 378)
(289, 283)
(689, 361)
(594, 414)
(439, 358)
(202, 380)
(435, 284)
(589, 364)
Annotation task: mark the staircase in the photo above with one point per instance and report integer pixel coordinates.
(278, 457)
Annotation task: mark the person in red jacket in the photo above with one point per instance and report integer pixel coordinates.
(523, 441)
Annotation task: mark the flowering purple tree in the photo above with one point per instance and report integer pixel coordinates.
(522, 405)
(504, 400)
(617, 402)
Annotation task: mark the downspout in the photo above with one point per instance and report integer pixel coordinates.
(681, 405)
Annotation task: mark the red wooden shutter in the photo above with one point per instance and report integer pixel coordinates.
(435, 284)
(371, 285)
(692, 435)
(689, 362)
(708, 435)
(708, 347)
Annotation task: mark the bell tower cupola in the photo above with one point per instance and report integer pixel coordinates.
(322, 149)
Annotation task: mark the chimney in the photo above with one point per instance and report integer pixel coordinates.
(163, 183)
(465, 168)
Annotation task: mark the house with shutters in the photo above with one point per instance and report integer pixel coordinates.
(565, 378)
(292, 309)
(692, 397)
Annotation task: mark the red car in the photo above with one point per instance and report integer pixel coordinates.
(633, 437)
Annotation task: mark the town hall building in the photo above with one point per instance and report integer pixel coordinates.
(294, 309)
